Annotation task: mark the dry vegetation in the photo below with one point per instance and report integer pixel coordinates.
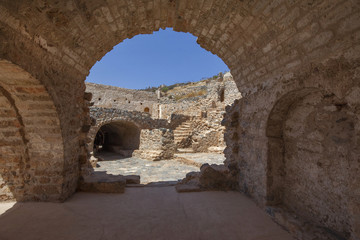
(191, 94)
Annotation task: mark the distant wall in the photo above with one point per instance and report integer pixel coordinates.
(122, 98)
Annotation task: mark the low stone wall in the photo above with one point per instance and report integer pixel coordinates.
(156, 144)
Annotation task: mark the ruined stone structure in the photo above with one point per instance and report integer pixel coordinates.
(119, 123)
(292, 60)
(156, 144)
(121, 98)
(194, 112)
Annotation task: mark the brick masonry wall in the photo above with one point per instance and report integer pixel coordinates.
(31, 142)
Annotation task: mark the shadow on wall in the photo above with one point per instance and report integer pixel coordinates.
(31, 146)
(312, 139)
(117, 137)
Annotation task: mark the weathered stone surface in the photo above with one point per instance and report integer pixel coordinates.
(216, 177)
(103, 183)
(210, 177)
(93, 161)
(187, 188)
(156, 144)
(112, 116)
(132, 179)
(121, 98)
(273, 49)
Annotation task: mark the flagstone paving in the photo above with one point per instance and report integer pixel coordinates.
(156, 171)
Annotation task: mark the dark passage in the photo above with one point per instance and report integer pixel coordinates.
(118, 137)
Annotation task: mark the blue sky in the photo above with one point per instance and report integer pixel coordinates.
(164, 57)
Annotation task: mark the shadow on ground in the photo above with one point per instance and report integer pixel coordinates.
(142, 213)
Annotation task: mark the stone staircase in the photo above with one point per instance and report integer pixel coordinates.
(182, 131)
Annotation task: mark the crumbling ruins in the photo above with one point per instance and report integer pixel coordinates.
(292, 140)
(154, 124)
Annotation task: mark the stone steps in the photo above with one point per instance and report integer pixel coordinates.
(182, 134)
(182, 131)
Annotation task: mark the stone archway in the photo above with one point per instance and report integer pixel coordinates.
(31, 147)
(119, 137)
(312, 158)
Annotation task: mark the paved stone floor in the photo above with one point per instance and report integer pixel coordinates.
(155, 171)
(157, 213)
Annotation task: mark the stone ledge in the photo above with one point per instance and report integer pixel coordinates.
(103, 183)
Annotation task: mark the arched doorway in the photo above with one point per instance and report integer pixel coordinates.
(119, 137)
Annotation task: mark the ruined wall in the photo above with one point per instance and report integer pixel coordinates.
(121, 98)
(156, 144)
(103, 116)
(203, 96)
(178, 105)
(120, 135)
(231, 92)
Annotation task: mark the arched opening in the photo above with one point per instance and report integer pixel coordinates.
(191, 111)
(121, 138)
(311, 135)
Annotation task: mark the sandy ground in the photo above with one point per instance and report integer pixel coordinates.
(141, 213)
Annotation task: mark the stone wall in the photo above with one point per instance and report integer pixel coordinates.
(297, 147)
(118, 136)
(156, 144)
(319, 138)
(104, 116)
(121, 98)
(177, 106)
(31, 145)
(214, 94)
